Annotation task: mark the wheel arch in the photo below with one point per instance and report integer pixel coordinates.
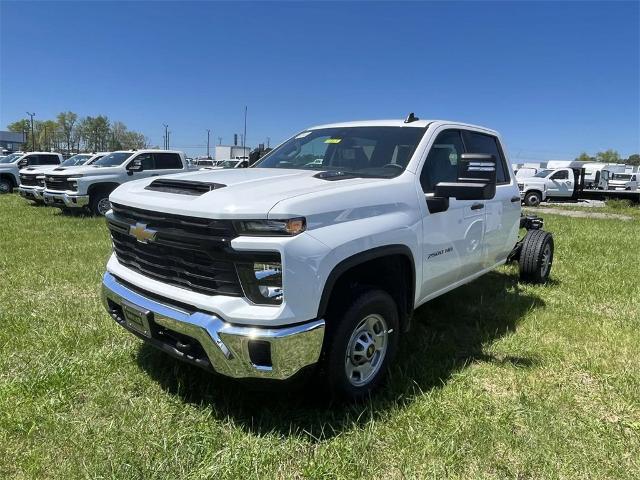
(102, 186)
(10, 177)
(350, 268)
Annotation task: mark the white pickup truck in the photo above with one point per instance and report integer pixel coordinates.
(11, 165)
(551, 183)
(90, 186)
(624, 181)
(274, 270)
(32, 178)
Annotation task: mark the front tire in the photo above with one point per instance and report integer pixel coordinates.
(362, 344)
(532, 199)
(5, 186)
(536, 256)
(99, 203)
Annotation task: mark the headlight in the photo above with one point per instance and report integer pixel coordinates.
(290, 227)
(261, 282)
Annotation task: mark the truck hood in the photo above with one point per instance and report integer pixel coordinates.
(247, 192)
(87, 171)
(36, 170)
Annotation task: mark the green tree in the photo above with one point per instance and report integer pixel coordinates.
(66, 122)
(633, 159)
(609, 156)
(584, 157)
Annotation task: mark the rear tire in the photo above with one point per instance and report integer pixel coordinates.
(532, 199)
(536, 256)
(361, 344)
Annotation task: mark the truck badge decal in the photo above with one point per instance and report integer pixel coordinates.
(440, 252)
(142, 233)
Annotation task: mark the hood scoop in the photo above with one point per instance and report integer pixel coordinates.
(182, 187)
(333, 175)
(59, 169)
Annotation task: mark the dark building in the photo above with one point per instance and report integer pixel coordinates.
(11, 141)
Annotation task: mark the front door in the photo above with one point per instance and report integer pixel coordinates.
(452, 239)
(560, 184)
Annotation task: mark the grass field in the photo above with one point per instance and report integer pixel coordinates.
(496, 379)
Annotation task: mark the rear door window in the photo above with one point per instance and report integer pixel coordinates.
(167, 161)
(482, 143)
(561, 175)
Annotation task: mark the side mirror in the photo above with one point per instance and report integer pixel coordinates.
(135, 166)
(23, 163)
(476, 179)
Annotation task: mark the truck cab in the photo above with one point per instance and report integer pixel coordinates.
(89, 186)
(294, 265)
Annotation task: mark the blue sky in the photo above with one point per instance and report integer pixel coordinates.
(554, 78)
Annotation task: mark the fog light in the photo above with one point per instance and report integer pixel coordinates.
(261, 282)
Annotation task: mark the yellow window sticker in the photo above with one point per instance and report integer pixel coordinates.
(332, 140)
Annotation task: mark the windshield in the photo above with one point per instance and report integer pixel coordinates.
(75, 160)
(360, 151)
(543, 173)
(113, 159)
(621, 176)
(228, 163)
(11, 158)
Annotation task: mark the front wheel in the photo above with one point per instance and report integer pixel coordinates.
(532, 199)
(99, 203)
(362, 345)
(5, 186)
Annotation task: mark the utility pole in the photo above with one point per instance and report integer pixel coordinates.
(219, 140)
(33, 138)
(166, 136)
(268, 141)
(244, 136)
(208, 132)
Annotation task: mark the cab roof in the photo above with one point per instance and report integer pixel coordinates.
(400, 123)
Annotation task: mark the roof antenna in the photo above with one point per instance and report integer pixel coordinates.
(411, 118)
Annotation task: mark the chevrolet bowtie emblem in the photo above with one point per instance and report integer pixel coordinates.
(142, 233)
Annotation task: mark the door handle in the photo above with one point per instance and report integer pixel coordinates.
(515, 199)
(477, 206)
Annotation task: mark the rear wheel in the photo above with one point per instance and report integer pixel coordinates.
(536, 256)
(532, 199)
(361, 344)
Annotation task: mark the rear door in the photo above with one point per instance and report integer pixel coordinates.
(452, 239)
(503, 210)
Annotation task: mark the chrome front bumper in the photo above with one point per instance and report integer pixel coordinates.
(231, 350)
(65, 199)
(31, 193)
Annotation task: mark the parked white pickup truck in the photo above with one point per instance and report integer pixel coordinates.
(269, 271)
(90, 186)
(624, 181)
(556, 183)
(32, 178)
(11, 165)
